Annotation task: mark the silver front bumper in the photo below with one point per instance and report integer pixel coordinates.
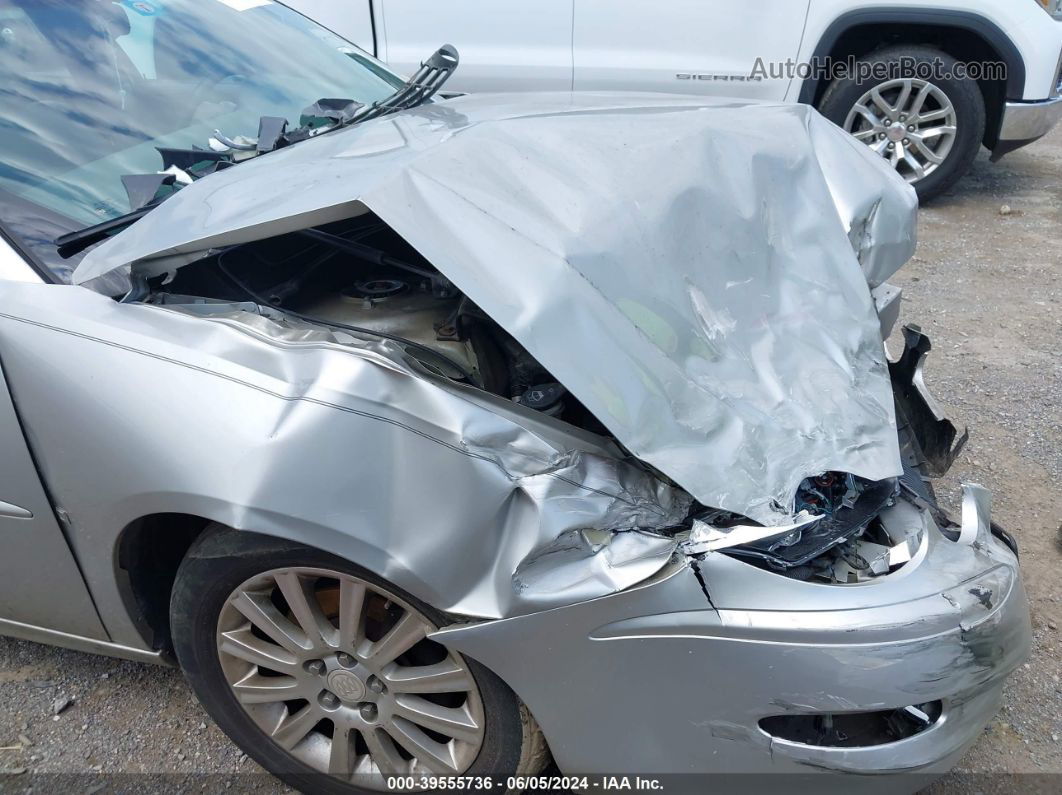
(673, 677)
(1025, 122)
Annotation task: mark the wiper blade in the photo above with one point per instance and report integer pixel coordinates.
(143, 193)
(75, 242)
(334, 113)
(272, 134)
(328, 114)
(183, 166)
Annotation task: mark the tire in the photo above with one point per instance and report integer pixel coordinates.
(889, 70)
(207, 625)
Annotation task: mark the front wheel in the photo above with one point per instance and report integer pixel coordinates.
(913, 107)
(323, 672)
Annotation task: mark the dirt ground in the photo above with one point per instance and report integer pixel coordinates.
(986, 285)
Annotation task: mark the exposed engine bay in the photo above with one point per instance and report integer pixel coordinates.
(846, 533)
(360, 276)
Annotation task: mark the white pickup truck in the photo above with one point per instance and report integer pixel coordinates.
(924, 82)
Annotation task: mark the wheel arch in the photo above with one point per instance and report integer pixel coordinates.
(149, 550)
(962, 34)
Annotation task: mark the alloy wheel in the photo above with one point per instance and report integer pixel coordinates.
(341, 675)
(909, 122)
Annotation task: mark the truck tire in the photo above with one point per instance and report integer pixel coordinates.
(908, 104)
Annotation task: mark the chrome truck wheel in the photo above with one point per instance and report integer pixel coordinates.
(909, 122)
(325, 674)
(914, 107)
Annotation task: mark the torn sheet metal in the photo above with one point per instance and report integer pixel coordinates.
(705, 537)
(584, 564)
(887, 298)
(325, 439)
(880, 225)
(976, 514)
(671, 260)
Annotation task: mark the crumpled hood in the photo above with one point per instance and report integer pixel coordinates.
(695, 272)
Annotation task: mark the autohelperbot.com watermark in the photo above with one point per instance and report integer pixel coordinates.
(829, 69)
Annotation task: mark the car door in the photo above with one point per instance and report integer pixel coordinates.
(505, 45)
(40, 584)
(687, 46)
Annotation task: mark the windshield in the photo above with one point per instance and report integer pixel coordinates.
(90, 88)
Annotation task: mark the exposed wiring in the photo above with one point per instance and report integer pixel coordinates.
(258, 299)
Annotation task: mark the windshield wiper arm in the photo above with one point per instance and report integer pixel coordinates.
(329, 114)
(421, 87)
(75, 242)
(143, 192)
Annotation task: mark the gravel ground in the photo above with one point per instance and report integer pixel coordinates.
(986, 285)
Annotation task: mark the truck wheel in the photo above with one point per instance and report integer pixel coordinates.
(323, 673)
(908, 105)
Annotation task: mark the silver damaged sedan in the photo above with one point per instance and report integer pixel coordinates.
(431, 435)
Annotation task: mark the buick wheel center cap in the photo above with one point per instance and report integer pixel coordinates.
(896, 134)
(346, 685)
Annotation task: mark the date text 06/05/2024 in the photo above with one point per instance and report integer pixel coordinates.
(518, 783)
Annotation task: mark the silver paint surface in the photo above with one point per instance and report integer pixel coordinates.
(318, 437)
(712, 260)
(39, 579)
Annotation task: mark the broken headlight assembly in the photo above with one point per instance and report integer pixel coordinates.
(839, 536)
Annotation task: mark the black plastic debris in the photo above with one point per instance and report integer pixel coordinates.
(271, 131)
(329, 112)
(195, 161)
(142, 189)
